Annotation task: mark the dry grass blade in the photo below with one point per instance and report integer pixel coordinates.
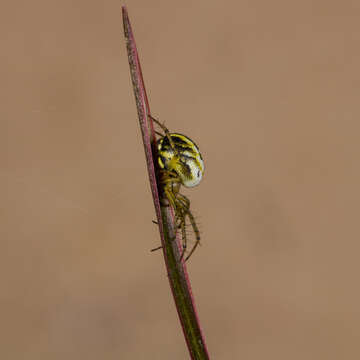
(178, 277)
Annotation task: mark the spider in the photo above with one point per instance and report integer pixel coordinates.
(180, 163)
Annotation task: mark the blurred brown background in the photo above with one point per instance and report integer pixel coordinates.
(270, 92)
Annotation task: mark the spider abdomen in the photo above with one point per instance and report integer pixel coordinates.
(185, 158)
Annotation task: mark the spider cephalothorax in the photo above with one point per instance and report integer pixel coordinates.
(181, 163)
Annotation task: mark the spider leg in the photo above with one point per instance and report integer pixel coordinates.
(167, 180)
(186, 210)
(196, 231)
(171, 197)
(183, 236)
(184, 203)
(175, 204)
(181, 211)
(164, 128)
(184, 200)
(181, 205)
(157, 248)
(167, 133)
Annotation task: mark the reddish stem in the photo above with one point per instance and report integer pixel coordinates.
(176, 269)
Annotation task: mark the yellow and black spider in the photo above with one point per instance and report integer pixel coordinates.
(181, 163)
